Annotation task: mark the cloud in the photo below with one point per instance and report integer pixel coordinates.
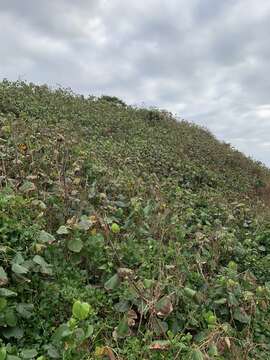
(207, 61)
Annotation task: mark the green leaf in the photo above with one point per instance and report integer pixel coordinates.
(232, 300)
(210, 317)
(29, 353)
(12, 357)
(115, 228)
(148, 283)
(45, 267)
(40, 260)
(213, 350)
(27, 187)
(18, 259)
(122, 329)
(13, 332)
(79, 335)
(19, 269)
(3, 303)
(3, 276)
(63, 230)
(89, 331)
(52, 352)
(112, 283)
(85, 223)
(75, 245)
(197, 355)
(232, 265)
(7, 293)
(164, 306)
(3, 353)
(62, 332)
(10, 317)
(80, 310)
(240, 315)
(121, 306)
(221, 301)
(25, 310)
(189, 292)
(45, 237)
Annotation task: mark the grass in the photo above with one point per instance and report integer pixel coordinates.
(126, 234)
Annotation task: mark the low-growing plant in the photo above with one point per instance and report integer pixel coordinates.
(126, 234)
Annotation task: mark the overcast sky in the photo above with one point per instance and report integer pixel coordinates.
(206, 60)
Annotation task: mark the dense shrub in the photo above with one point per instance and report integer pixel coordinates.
(126, 234)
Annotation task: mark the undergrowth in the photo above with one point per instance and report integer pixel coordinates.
(126, 234)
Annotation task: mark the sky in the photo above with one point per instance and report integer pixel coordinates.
(206, 61)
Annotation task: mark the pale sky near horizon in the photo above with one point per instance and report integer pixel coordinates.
(207, 61)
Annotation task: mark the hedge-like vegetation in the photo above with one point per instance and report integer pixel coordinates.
(126, 234)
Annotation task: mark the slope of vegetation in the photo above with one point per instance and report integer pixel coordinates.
(126, 234)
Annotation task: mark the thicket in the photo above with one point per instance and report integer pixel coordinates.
(126, 234)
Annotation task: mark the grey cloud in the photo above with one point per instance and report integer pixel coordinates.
(207, 61)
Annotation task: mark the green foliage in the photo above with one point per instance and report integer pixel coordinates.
(159, 230)
(80, 310)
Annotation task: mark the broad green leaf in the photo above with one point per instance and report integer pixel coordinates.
(25, 310)
(7, 293)
(115, 228)
(10, 317)
(197, 355)
(210, 317)
(45, 267)
(189, 292)
(221, 301)
(3, 304)
(63, 230)
(122, 329)
(112, 283)
(240, 315)
(29, 353)
(52, 352)
(45, 237)
(13, 332)
(164, 306)
(62, 332)
(79, 335)
(89, 331)
(19, 269)
(148, 283)
(40, 260)
(232, 300)
(213, 350)
(85, 223)
(75, 245)
(80, 310)
(122, 306)
(18, 259)
(3, 353)
(232, 265)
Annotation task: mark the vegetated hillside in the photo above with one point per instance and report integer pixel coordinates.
(126, 234)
